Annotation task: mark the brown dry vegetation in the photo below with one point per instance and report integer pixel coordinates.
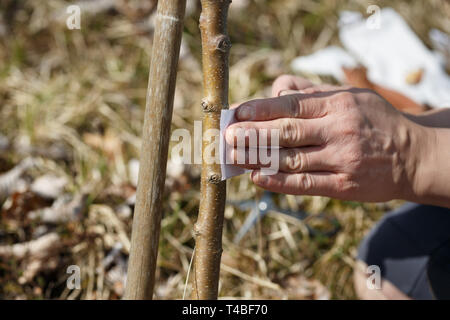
(71, 109)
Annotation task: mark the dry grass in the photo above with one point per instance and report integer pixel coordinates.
(73, 102)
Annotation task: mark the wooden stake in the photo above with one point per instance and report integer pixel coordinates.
(208, 229)
(154, 152)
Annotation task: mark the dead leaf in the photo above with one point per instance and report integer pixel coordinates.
(414, 77)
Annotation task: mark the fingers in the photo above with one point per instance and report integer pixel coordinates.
(298, 105)
(310, 183)
(290, 160)
(297, 101)
(288, 82)
(286, 132)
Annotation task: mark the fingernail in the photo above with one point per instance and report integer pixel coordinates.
(245, 113)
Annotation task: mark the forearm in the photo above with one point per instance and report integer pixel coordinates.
(432, 178)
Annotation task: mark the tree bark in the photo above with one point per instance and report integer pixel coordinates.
(154, 151)
(208, 229)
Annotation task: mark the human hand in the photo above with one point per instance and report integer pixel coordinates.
(335, 141)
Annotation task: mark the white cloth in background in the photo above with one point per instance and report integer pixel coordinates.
(326, 62)
(390, 53)
(227, 118)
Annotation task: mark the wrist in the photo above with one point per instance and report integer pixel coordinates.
(423, 155)
(435, 171)
(411, 138)
(430, 182)
(432, 176)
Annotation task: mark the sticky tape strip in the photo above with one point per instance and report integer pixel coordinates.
(228, 171)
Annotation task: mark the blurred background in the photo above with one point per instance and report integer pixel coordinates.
(71, 113)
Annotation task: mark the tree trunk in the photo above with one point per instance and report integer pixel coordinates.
(154, 152)
(208, 229)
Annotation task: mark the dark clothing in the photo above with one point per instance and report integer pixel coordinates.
(412, 248)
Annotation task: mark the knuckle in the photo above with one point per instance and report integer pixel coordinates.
(295, 162)
(351, 123)
(345, 100)
(289, 132)
(305, 181)
(352, 128)
(293, 106)
(305, 106)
